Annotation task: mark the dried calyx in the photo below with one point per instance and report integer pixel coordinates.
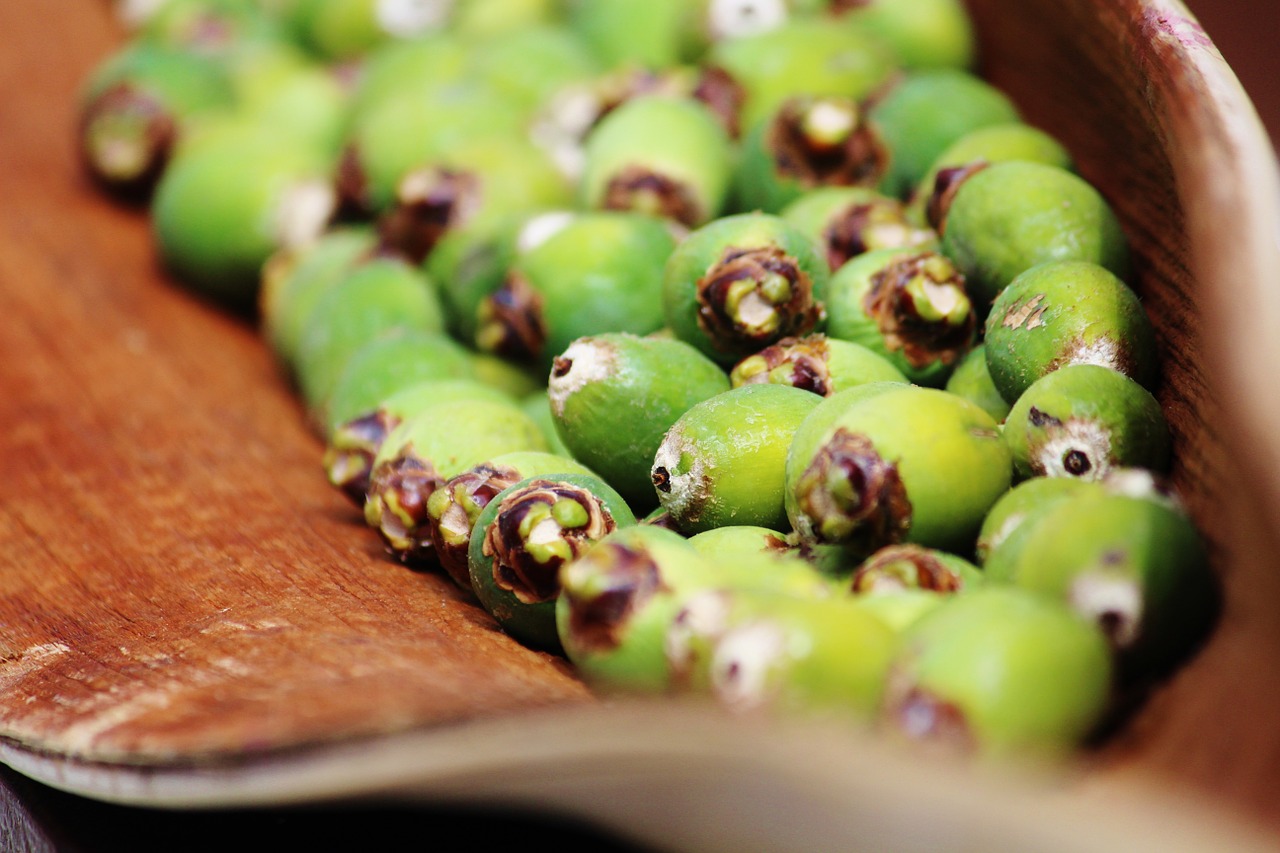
(798, 362)
(453, 509)
(754, 297)
(904, 567)
(397, 505)
(868, 226)
(603, 590)
(126, 137)
(511, 320)
(853, 496)
(348, 460)
(824, 141)
(537, 530)
(945, 186)
(429, 203)
(921, 307)
(640, 189)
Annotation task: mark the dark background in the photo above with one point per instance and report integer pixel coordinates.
(36, 819)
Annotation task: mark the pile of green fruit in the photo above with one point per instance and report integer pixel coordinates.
(752, 349)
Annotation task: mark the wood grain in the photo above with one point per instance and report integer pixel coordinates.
(178, 585)
(177, 579)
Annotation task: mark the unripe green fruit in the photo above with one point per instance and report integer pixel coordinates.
(1014, 215)
(848, 221)
(971, 379)
(424, 451)
(903, 464)
(614, 396)
(524, 536)
(723, 461)
(1000, 672)
(1067, 312)
(743, 282)
(659, 154)
(1082, 420)
(922, 33)
(1005, 527)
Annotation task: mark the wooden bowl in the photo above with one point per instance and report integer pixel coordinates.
(190, 616)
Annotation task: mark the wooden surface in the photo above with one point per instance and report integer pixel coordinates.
(180, 589)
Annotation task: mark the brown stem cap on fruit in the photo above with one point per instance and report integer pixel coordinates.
(429, 203)
(798, 362)
(921, 307)
(852, 495)
(755, 297)
(825, 142)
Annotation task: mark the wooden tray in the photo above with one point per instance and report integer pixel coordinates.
(190, 616)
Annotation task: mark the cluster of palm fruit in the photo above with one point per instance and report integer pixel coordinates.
(755, 349)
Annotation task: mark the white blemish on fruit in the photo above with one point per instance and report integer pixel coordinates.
(704, 617)
(1089, 439)
(741, 663)
(542, 228)
(687, 476)
(1104, 352)
(588, 360)
(1114, 602)
(406, 18)
(303, 212)
(727, 19)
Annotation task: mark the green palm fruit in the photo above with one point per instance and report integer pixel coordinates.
(622, 33)
(791, 571)
(1067, 312)
(757, 651)
(469, 262)
(723, 461)
(612, 399)
(804, 56)
(486, 177)
(1006, 524)
(386, 365)
(666, 155)
(1011, 216)
(808, 142)
(1135, 566)
(974, 150)
(925, 112)
(414, 128)
(353, 446)
(134, 108)
(922, 33)
(897, 567)
(999, 671)
(532, 63)
(295, 279)
(525, 535)
(516, 379)
(453, 508)
(437, 59)
(909, 305)
(849, 221)
(1082, 420)
(901, 608)
(971, 379)
(275, 86)
(376, 297)
(895, 463)
(599, 272)
(743, 282)
(815, 363)
(223, 207)
(424, 451)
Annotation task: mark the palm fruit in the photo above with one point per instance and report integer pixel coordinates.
(901, 608)
(525, 535)
(453, 508)
(732, 541)
(803, 56)
(848, 221)
(922, 33)
(1007, 522)
(619, 598)
(897, 567)
(613, 398)
(999, 671)
(974, 150)
(1011, 216)
(295, 279)
(893, 464)
(530, 64)
(659, 154)
(926, 111)
(347, 29)
(353, 445)
(971, 379)
(488, 177)
(223, 207)
(134, 108)
(1082, 420)
(909, 305)
(815, 363)
(722, 461)
(743, 282)
(410, 129)
(276, 86)
(600, 272)
(386, 365)
(437, 59)
(645, 33)
(756, 651)
(1135, 566)
(374, 298)
(1067, 312)
(424, 451)
(808, 142)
